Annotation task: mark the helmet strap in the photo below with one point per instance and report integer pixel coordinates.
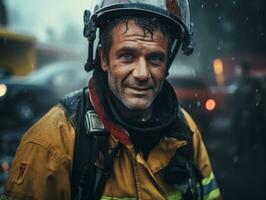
(89, 32)
(188, 42)
(90, 60)
(172, 56)
(176, 47)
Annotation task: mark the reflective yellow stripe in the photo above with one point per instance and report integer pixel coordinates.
(208, 179)
(113, 198)
(175, 196)
(211, 191)
(210, 188)
(212, 195)
(4, 197)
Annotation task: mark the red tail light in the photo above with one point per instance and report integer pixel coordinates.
(210, 104)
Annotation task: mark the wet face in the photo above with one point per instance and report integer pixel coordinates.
(137, 65)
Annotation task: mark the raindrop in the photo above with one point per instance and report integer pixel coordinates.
(235, 159)
(220, 17)
(190, 106)
(234, 2)
(233, 58)
(228, 26)
(257, 103)
(198, 103)
(247, 18)
(196, 94)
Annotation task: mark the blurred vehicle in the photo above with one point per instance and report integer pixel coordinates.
(4, 73)
(195, 97)
(18, 52)
(21, 53)
(25, 99)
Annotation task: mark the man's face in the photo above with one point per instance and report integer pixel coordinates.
(137, 65)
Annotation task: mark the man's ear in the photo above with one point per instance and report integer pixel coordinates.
(103, 59)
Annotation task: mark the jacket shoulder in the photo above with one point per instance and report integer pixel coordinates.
(188, 119)
(44, 157)
(53, 132)
(70, 104)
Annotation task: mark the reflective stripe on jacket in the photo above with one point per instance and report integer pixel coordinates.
(42, 166)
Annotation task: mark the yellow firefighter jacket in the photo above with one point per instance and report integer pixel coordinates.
(43, 162)
(44, 159)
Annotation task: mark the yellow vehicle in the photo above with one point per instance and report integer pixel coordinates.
(17, 53)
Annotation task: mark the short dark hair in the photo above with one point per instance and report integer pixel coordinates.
(148, 25)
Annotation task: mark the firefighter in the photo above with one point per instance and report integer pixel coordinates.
(247, 111)
(125, 136)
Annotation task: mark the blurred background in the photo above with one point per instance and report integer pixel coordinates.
(223, 84)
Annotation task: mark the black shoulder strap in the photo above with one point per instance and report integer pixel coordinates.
(87, 179)
(75, 105)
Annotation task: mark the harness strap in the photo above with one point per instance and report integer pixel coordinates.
(103, 174)
(87, 179)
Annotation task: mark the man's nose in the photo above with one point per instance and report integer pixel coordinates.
(141, 70)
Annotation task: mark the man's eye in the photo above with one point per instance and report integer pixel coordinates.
(126, 57)
(156, 60)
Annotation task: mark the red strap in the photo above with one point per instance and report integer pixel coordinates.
(114, 130)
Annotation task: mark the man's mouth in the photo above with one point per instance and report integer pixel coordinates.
(139, 90)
